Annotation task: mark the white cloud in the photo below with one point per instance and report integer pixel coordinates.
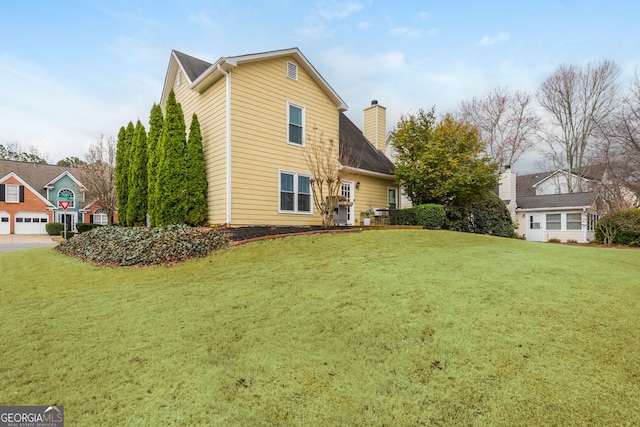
(200, 18)
(424, 16)
(364, 25)
(337, 9)
(489, 40)
(412, 33)
(315, 31)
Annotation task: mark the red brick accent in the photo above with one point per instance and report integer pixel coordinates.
(32, 203)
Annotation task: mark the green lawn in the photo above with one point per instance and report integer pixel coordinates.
(391, 328)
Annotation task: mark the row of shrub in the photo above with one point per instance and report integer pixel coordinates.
(619, 228)
(125, 246)
(431, 216)
(490, 216)
(57, 228)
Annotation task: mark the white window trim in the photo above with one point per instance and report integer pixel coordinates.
(295, 193)
(73, 202)
(289, 104)
(397, 202)
(100, 213)
(6, 193)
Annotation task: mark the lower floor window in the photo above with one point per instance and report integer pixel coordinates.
(100, 217)
(574, 221)
(295, 192)
(554, 221)
(593, 219)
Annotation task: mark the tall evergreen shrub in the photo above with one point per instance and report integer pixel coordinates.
(170, 188)
(195, 177)
(153, 156)
(137, 201)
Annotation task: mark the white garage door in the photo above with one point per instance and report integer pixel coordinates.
(31, 223)
(5, 224)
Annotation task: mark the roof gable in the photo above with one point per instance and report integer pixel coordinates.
(202, 74)
(27, 186)
(37, 175)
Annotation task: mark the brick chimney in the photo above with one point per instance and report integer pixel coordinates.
(375, 124)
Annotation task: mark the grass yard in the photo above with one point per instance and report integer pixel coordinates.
(380, 328)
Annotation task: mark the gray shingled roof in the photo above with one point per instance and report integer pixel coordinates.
(37, 175)
(192, 66)
(361, 153)
(569, 200)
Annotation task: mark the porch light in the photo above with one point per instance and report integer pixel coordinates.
(358, 185)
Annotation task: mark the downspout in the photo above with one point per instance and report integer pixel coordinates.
(228, 138)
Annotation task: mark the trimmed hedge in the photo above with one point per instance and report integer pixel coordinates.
(85, 226)
(619, 228)
(122, 246)
(70, 234)
(54, 228)
(429, 216)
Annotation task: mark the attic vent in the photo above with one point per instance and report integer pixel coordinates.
(180, 77)
(292, 70)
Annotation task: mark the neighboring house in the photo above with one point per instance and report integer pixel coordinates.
(30, 194)
(260, 114)
(544, 209)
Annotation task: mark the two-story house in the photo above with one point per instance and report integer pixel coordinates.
(260, 114)
(30, 196)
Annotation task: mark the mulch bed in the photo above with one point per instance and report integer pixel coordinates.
(247, 234)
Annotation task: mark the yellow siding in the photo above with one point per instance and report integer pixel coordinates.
(210, 108)
(260, 92)
(372, 194)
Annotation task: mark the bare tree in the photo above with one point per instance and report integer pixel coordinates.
(325, 158)
(98, 175)
(580, 100)
(507, 123)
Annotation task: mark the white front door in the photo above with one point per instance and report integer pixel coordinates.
(346, 189)
(68, 218)
(535, 229)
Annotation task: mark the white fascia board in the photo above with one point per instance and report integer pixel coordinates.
(367, 172)
(50, 184)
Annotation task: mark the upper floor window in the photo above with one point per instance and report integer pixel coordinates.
(12, 193)
(296, 124)
(66, 194)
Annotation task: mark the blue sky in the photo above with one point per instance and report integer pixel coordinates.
(72, 70)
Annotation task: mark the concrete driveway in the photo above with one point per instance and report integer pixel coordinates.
(12, 242)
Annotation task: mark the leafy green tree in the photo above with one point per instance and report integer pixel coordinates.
(13, 151)
(70, 162)
(123, 156)
(170, 189)
(153, 157)
(137, 200)
(488, 215)
(441, 162)
(195, 177)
